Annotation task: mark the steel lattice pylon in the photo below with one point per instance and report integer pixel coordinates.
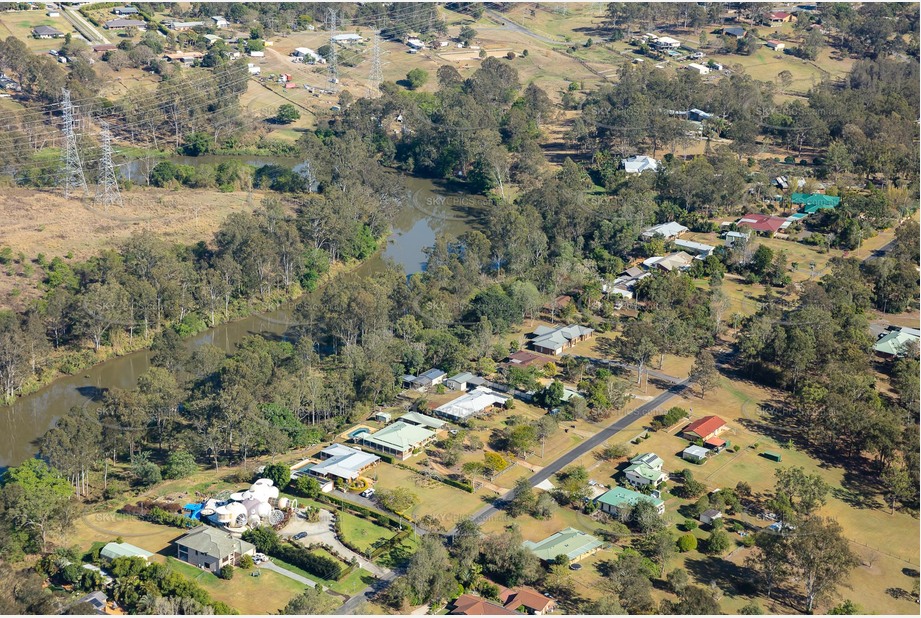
(377, 71)
(74, 180)
(332, 62)
(107, 187)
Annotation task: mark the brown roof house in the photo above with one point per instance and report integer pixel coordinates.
(526, 599)
(471, 605)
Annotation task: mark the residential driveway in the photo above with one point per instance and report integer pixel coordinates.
(323, 531)
(271, 566)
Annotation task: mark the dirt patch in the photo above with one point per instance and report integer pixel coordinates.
(43, 222)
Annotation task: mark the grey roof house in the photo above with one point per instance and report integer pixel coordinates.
(463, 381)
(432, 377)
(46, 32)
(548, 340)
(210, 549)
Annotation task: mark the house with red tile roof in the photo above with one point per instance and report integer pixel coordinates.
(775, 18)
(704, 428)
(532, 601)
(763, 224)
(472, 605)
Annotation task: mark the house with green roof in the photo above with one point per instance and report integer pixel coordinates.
(572, 543)
(813, 202)
(619, 501)
(211, 549)
(645, 470)
(896, 341)
(113, 550)
(399, 440)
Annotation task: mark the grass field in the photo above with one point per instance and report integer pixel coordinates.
(446, 503)
(268, 593)
(20, 23)
(361, 532)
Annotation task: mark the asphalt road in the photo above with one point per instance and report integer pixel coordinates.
(89, 32)
(510, 25)
(597, 439)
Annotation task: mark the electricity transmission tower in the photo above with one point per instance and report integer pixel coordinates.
(107, 187)
(377, 72)
(332, 63)
(74, 180)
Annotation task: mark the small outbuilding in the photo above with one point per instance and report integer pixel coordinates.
(709, 516)
(695, 454)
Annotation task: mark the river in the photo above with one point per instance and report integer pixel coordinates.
(428, 210)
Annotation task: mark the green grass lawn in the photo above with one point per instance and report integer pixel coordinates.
(349, 585)
(267, 593)
(361, 532)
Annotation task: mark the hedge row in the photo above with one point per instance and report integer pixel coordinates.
(321, 566)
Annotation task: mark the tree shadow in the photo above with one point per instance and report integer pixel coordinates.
(730, 577)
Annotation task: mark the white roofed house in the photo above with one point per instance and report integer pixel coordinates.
(665, 42)
(702, 250)
(219, 21)
(463, 381)
(471, 404)
(339, 461)
(549, 340)
(668, 231)
(699, 68)
(638, 164)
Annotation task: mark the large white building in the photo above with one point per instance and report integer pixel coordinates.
(471, 404)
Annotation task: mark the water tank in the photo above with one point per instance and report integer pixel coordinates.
(282, 503)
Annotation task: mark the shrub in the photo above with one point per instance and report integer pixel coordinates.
(246, 562)
(226, 572)
(179, 465)
(307, 486)
(280, 475)
(689, 525)
(687, 542)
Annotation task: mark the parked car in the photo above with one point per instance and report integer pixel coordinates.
(368, 493)
(299, 536)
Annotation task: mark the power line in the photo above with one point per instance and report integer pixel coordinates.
(107, 187)
(74, 180)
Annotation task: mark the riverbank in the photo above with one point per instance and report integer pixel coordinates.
(428, 210)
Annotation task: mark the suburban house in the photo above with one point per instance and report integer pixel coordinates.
(698, 68)
(734, 32)
(664, 42)
(774, 45)
(463, 381)
(895, 342)
(763, 224)
(473, 605)
(339, 462)
(671, 262)
(523, 358)
(421, 420)
(182, 26)
(696, 454)
(645, 469)
(526, 599)
(432, 377)
(709, 516)
(97, 600)
(619, 501)
(698, 115)
(104, 47)
(775, 18)
(668, 231)
(346, 38)
(383, 417)
(637, 164)
(210, 549)
(813, 202)
(307, 54)
(111, 551)
(733, 238)
(549, 340)
(704, 428)
(184, 57)
(415, 43)
(125, 10)
(46, 32)
(572, 543)
(124, 24)
(471, 404)
(219, 21)
(689, 246)
(399, 440)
